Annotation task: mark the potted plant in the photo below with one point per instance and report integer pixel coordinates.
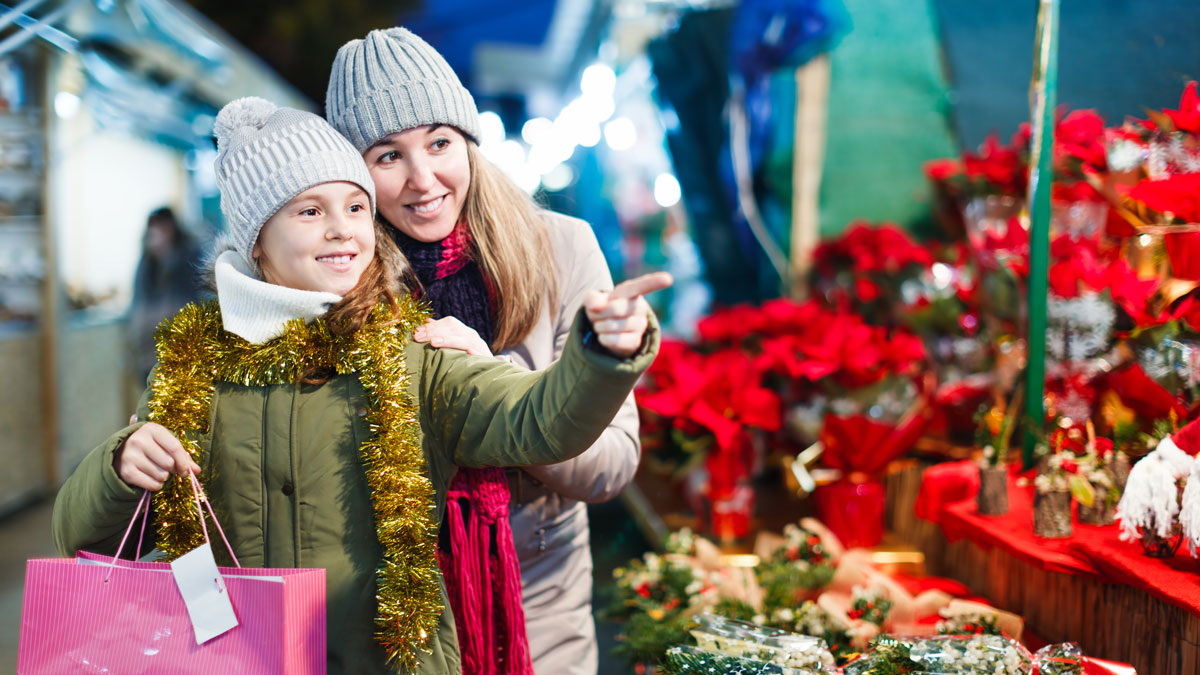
(1059, 477)
(1097, 468)
(994, 431)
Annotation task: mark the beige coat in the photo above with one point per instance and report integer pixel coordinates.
(548, 510)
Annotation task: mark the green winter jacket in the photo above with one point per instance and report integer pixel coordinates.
(289, 486)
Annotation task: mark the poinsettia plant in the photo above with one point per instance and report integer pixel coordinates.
(750, 363)
(1176, 197)
(997, 169)
(702, 408)
(863, 269)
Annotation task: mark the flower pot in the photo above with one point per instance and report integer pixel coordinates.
(1052, 514)
(1183, 250)
(853, 511)
(992, 498)
(1158, 546)
(1120, 470)
(1102, 511)
(730, 510)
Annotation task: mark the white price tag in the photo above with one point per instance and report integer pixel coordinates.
(204, 593)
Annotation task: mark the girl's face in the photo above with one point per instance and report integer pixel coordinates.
(321, 240)
(421, 177)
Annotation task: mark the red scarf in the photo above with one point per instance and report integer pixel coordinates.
(482, 579)
(483, 576)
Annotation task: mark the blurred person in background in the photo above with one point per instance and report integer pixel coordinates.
(504, 277)
(167, 278)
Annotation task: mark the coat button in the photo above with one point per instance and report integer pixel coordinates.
(361, 411)
(288, 489)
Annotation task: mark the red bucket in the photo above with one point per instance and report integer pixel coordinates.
(730, 510)
(853, 511)
(1183, 250)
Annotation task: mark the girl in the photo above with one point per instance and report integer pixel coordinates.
(325, 435)
(506, 277)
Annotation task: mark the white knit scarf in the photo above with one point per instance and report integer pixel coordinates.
(256, 310)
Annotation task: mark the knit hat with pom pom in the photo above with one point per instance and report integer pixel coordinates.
(267, 155)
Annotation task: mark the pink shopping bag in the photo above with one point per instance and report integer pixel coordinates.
(96, 614)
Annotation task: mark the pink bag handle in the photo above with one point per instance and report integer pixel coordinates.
(198, 493)
(144, 505)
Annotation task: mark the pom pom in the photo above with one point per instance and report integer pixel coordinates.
(250, 111)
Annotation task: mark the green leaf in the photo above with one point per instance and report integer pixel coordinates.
(1081, 490)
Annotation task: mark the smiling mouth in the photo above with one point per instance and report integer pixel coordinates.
(337, 259)
(427, 207)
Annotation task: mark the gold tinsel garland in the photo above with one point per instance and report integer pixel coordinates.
(194, 352)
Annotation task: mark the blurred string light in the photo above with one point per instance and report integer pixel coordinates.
(590, 136)
(598, 81)
(666, 190)
(558, 178)
(536, 129)
(66, 104)
(491, 128)
(551, 143)
(620, 134)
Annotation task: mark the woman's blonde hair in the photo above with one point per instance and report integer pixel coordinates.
(511, 244)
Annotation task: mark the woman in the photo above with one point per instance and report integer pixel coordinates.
(325, 436)
(503, 277)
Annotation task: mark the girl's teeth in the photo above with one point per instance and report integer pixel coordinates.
(428, 207)
(335, 259)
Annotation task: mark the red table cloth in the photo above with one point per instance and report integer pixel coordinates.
(1092, 551)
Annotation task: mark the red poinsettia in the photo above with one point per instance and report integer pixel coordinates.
(1009, 245)
(1079, 140)
(787, 317)
(1081, 265)
(1072, 439)
(1000, 167)
(785, 355)
(941, 170)
(719, 393)
(1188, 310)
(1074, 191)
(1178, 194)
(870, 248)
(1133, 295)
(730, 325)
(1187, 117)
(673, 380)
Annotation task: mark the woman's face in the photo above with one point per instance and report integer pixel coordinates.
(421, 177)
(321, 240)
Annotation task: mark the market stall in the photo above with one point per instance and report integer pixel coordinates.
(1046, 334)
(105, 115)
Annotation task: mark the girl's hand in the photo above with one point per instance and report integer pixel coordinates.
(450, 333)
(620, 317)
(150, 455)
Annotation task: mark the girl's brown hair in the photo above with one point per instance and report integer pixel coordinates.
(382, 281)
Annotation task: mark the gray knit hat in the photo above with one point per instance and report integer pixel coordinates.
(267, 155)
(391, 81)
